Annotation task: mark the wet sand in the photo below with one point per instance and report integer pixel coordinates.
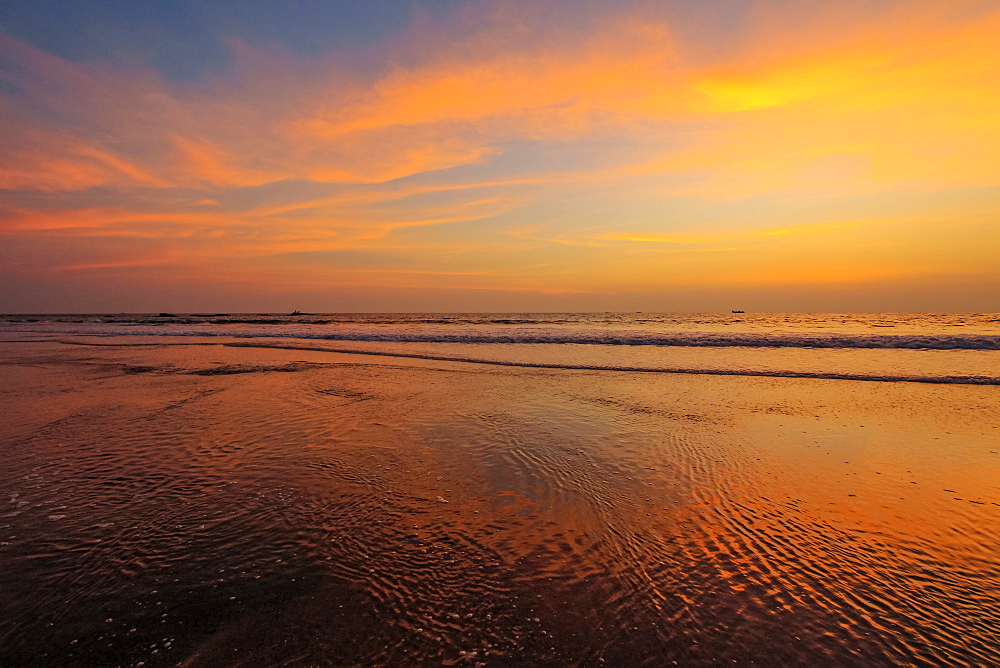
(219, 505)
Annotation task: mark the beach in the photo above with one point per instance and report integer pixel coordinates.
(214, 500)
(499, 333)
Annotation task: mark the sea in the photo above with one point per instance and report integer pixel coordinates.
(499, 489)
(916, 347)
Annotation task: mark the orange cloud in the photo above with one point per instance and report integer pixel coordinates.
(207, 160)
(682, 239)
(557, 91)
(609, 155)
(53, 160)
(910, 98)
(768, 112)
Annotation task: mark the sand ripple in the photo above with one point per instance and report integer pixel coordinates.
(379, 515)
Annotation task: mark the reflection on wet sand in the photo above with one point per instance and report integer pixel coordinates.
(218, 506)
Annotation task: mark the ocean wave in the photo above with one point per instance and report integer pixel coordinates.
(769, 373)
(553, 336)
(945, 379)
(271, 319)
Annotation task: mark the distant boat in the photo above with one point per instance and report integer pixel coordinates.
(739, 311)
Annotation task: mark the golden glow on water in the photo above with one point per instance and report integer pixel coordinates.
(212, 504)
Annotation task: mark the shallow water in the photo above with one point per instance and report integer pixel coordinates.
(218, 505)
(930, 347)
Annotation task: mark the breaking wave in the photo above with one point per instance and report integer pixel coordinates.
(827, 375)
(548, 336)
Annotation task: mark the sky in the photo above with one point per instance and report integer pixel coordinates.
(544, 155)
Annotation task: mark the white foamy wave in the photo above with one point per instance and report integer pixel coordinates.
(770, 373)
(540, 335)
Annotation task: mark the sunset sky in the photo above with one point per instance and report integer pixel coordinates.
(681, 155)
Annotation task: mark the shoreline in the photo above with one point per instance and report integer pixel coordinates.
(334, 348)
(240, 502)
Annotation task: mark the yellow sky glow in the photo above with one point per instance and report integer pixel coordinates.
(859, 152)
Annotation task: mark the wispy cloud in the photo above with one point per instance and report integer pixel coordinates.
(545, 153)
